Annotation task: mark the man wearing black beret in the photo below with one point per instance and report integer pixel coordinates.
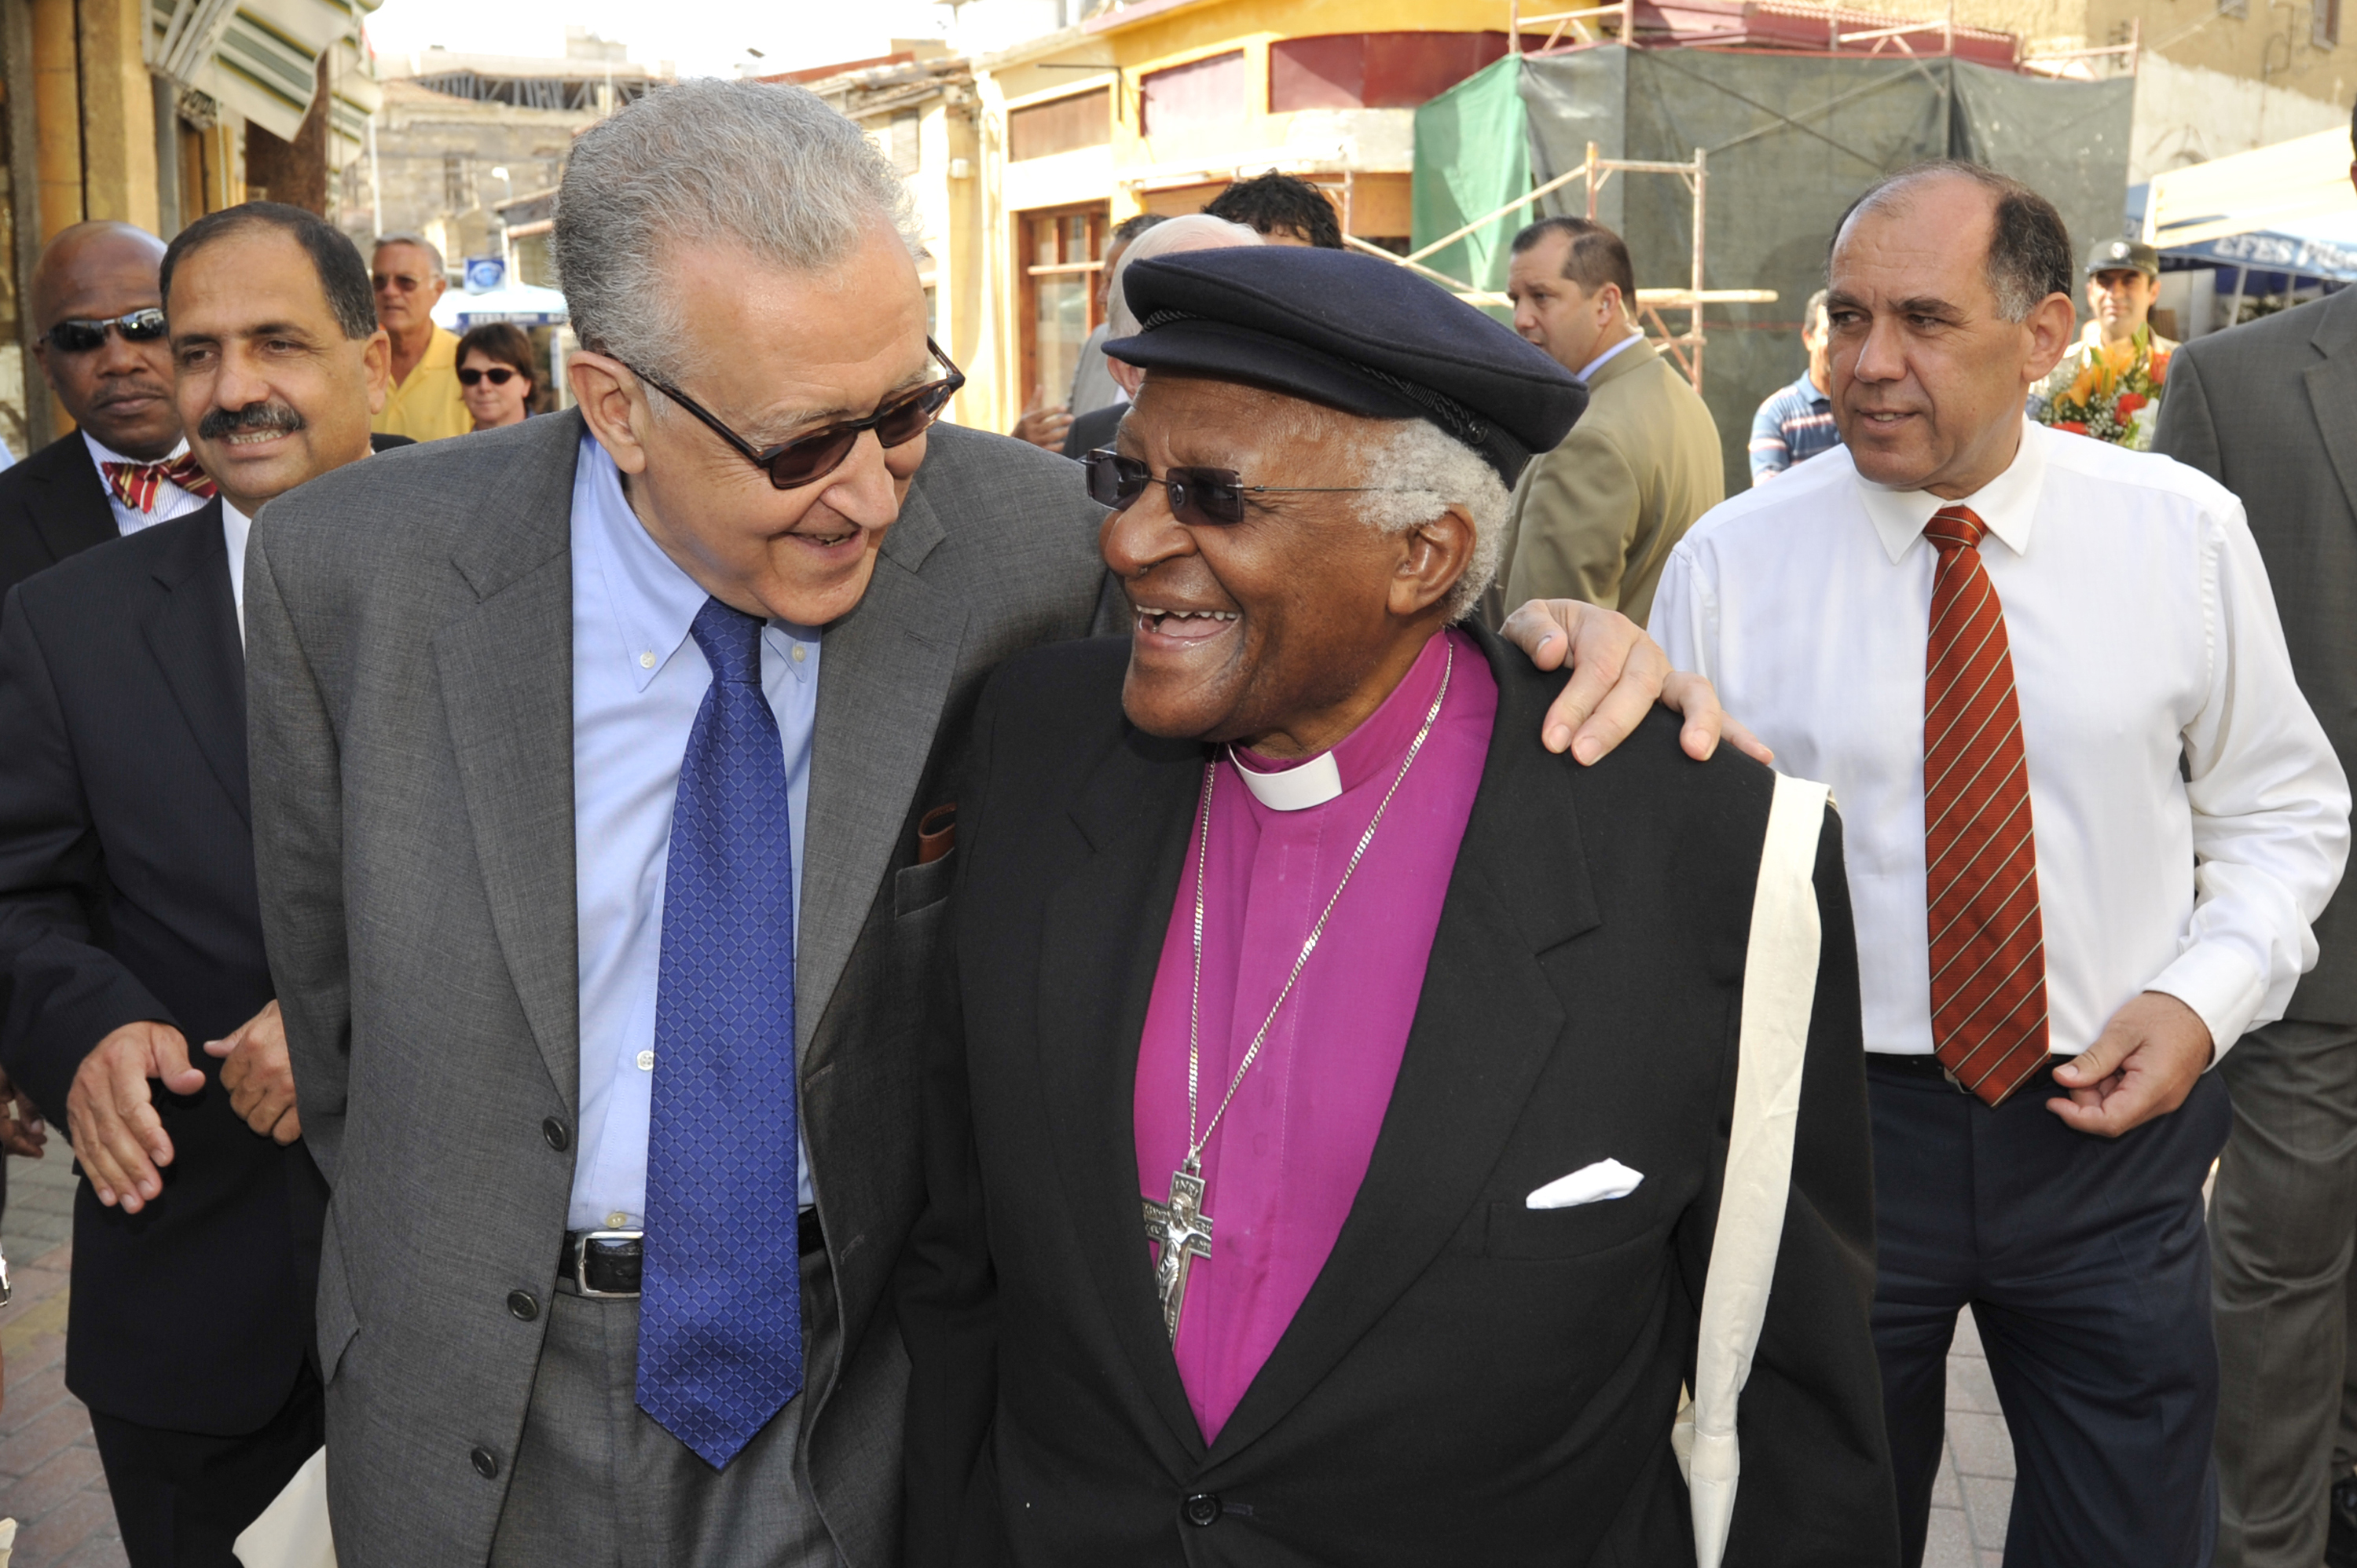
(1348, 1123)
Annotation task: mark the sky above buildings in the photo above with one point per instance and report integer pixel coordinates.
(707, 37)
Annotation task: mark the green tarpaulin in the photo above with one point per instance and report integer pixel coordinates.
(1791, 140)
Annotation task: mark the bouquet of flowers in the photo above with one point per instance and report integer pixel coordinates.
(2114, 384)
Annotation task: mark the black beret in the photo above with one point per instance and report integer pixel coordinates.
(1353, 332)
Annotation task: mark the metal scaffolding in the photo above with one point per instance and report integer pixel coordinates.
(1684, 349)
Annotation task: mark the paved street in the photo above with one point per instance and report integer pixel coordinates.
(49, 1477)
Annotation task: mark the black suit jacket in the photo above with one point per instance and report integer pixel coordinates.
(127, 893)
(1094, 429)
(1469, 1380)
(53, 505)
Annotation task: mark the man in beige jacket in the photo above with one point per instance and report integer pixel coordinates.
(1595, 518)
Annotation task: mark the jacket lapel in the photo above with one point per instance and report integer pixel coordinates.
(192, 633)
(884, 675)
(1099, 942)
(2332, 389)
(506, 669)
(1485, 1026)
(73, 515)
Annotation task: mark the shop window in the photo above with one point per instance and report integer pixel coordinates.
(1061, 253)
(2325, 24)
(1188, 97)
(1060, 125)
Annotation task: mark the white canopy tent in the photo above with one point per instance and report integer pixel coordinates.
(523, 304)
(2292, 187)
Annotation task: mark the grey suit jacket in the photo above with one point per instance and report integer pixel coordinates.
(409, 627)
(2269, 410)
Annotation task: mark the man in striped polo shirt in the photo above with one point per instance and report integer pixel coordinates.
(1796, 423)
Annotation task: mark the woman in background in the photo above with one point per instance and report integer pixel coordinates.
(495, 374)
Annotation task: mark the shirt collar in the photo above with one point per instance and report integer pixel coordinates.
(101, 453)
(1605, 359)
(1808, 389)
(2007, 504)
(655, 603)
(1371, 751)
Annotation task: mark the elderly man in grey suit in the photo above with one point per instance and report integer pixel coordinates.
(2270, 411)
(602, 808)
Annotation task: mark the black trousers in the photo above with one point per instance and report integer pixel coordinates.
(183, 1497)
(2086, 1265)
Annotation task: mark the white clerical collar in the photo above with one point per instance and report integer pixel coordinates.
(1313, 783)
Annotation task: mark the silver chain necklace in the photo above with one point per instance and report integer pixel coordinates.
(1181, 1226)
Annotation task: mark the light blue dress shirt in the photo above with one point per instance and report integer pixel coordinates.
(638, 680)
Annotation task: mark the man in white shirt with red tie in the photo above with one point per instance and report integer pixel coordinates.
(2088, 820)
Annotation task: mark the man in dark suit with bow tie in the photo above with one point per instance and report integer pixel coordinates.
(99, 323)
(130, 928)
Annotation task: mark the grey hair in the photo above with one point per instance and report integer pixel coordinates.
(1195, 232)
(441, 267)
(764, 169)
(2030, 257)
(1417, 472)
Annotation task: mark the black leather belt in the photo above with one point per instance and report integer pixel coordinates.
(607, 1262)
(1924, 1064)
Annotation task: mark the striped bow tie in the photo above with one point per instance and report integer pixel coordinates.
(135, 484)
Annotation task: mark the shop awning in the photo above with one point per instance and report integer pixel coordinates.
(261, 57)
(2286, 185)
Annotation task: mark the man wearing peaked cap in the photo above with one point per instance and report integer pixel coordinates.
(2109, 385)
(1329, 1089)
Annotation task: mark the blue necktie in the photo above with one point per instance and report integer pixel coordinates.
(720, 1322)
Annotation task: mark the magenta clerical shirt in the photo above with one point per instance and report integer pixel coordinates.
(1285, 1166)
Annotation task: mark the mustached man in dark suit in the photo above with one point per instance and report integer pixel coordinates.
(130, 930)
(1332, 1089)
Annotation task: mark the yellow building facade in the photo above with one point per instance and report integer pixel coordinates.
(1157, 106)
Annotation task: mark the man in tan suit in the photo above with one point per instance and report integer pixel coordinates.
(1595, 518)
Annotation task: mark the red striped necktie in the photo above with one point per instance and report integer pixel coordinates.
(135, 485)
(1980, 856)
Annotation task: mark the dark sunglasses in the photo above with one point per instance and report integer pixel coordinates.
(83, 337)
(1204, 497)
(807, 459)
(498, 375)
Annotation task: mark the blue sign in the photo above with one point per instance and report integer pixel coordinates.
(485, 273)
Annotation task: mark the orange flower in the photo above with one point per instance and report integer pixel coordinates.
(2157, 370)
(2120, 357)
(2083, 386)
(2129, 402)
(2073, 427)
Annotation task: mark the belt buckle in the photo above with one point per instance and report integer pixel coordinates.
(581, 1259)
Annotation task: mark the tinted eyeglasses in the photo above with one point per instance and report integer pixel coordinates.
(498, 375)
(809, 458)
(1211, 497)
(83, 337)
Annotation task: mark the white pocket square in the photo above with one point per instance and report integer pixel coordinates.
(1589, 1184)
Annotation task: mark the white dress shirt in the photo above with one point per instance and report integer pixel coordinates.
(236, 528)
(638, 680)
(171, 501)
(2143, 631)
(1606, 357)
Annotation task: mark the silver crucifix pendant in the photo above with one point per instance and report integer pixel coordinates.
(1184, 1233)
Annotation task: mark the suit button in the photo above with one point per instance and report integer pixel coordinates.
(521, 1303)
(487, 1464)
(1201, 1510)
(553, 1131)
